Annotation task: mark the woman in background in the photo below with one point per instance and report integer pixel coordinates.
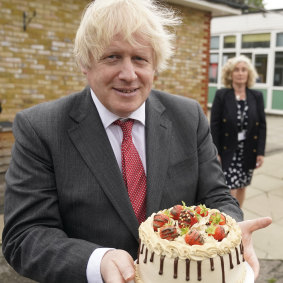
(238, 125)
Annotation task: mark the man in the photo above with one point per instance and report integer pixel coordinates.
(69, 214)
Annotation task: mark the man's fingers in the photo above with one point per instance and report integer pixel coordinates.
(117, 266)
(256, 224)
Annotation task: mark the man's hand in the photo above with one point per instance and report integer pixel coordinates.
(117, 266)
(248, 227)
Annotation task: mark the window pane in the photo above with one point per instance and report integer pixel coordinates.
(214, 42)
(261, 67)
(249, 55)
(213, 68)
(278, 69)
(255, 40)
(279, 39)
(229, 41)
(227, 56)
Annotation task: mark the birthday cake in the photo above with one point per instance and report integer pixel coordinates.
(193, 244)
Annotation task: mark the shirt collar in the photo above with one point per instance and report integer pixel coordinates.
(107, 117)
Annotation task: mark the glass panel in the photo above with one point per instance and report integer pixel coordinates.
(249, 55)
(214, 42)
(213, 68)
(255, 40)
(229, 41)
(261, 67)
(278, 69)
(279, 39)
(227, 56)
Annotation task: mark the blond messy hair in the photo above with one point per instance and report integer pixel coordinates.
(103, 19)
(229, 67)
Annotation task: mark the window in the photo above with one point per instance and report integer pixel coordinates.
(261, 67)
(214, 42)
(278, 69)
(256, 40)
(213, 68)
(229, 41)
(227, 56)
(279, 39)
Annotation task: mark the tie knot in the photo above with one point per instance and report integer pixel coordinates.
(126, 126)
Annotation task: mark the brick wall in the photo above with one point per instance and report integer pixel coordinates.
(36, 65)
(188, 71)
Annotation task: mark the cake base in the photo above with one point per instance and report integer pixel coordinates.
(161, 269)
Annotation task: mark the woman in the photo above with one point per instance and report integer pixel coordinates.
(238, 125)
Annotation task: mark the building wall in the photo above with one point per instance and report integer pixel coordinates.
(37, 65)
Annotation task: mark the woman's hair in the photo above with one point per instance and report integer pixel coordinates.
(229, 67)
(103, 19)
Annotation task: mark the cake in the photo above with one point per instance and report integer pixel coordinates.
(193, 244)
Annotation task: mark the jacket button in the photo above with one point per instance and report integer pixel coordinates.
(224, 120)
(255, 137)
(224, 147)
(254, 150)
(226, 134)
(257, 123)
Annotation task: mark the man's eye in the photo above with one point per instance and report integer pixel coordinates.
(138, 58)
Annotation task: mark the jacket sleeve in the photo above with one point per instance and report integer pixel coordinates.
(215, 119)
(262, 125)
(34, 241)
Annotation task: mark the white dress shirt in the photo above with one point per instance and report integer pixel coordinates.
(115, 136)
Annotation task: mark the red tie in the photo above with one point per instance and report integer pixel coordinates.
(133, 171)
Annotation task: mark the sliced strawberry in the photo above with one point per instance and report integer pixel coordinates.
(201, 210)
(217, 218)
(160, 220)
(216, 231)
(168, 232)
(187, 219)
(194, 238)
(175, 211)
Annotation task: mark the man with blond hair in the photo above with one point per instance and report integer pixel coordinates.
(71, 210)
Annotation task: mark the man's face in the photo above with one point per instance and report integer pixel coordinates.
(123, 76)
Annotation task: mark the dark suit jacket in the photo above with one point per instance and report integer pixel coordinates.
(224, 126)
(65, 193)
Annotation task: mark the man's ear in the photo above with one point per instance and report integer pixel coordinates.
(155, 75)
(84, 70)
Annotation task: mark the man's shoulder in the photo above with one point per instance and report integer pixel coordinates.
(60, 104)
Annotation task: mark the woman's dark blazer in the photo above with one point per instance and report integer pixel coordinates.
(224, 130)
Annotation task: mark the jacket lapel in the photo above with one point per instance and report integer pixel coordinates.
(90, 138)
(158, 129)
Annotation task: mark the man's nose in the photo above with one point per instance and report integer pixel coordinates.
(128, 71)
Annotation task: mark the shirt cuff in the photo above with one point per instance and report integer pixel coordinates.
(93, 266)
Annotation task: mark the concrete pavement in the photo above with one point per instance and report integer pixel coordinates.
(264, 198)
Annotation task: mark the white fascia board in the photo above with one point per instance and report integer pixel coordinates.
(216, 9)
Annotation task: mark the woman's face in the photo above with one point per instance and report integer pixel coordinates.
(240, 74)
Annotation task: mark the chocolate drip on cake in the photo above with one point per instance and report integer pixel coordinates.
(145, 257)
(188, 262)
(211, 264)
(151, 257)
(222, 268)
(161, 264)
(142, 249)
(176, 267)
(139, 250)
(231, 263)
(199, 270)
(237, 255)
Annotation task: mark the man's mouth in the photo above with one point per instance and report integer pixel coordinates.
(126, 90)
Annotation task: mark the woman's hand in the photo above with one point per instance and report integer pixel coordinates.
(248, 227)
(259, 160)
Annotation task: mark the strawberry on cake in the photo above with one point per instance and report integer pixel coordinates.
(193, 244)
